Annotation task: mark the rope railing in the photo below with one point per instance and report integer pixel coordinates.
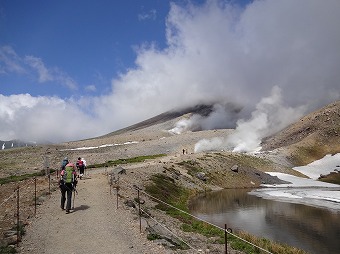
(6, 199)
(172, 233)
(195, 217)
(22, 203)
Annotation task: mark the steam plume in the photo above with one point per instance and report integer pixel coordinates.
(269, 117)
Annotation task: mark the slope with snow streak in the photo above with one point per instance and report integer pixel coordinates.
(306, 191)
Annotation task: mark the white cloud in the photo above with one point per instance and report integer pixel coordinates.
(9, 61)
(91, 88)
(218, 53)
(64, 79)
(151, 14)
(38, 65)
(43, 119)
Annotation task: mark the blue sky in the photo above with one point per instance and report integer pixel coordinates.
(110, 64)
(89, 42)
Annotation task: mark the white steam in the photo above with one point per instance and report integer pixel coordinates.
(269, 117)
(222, 116)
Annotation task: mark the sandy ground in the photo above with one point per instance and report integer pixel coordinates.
(94, 226)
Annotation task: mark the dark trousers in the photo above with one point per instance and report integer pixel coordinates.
(81, 169)
(66, 191)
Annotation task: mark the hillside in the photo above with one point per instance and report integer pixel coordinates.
(310, 138)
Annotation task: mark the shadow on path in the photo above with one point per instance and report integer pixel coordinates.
(80, 208)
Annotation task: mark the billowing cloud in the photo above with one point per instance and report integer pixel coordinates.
(43, 119)
(225, 55)
(269, 117)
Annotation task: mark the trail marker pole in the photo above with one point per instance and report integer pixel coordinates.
(139, 213)
(74, 197)
(225, 238)
(49, 183)
(18, 217)
(117, 196)
(35, 196)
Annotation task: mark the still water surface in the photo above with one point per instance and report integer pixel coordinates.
(312, 229)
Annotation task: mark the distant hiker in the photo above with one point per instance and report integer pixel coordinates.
(81, 167)
(67, 184)
(183, 151)
(84, 163)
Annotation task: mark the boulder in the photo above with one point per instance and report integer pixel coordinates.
(201, 176)
(234, 168)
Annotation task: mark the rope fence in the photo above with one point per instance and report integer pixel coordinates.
(114, 182)
(20, 204)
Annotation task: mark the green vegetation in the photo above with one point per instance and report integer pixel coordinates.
(248, 160)
(20, 228)
(165, 188)
(152, 237)
(308, 154)
(7, 250)
(17, 178)
(193, 167)
(125, 161)
(264, 244)
(332, 178)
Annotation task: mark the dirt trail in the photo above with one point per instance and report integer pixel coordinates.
(95, 225)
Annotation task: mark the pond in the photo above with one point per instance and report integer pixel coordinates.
(315, 230)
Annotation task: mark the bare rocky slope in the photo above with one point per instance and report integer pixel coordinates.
(310, 138)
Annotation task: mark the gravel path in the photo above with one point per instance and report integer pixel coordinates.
(95, 225)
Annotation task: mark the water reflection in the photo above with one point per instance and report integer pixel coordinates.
(313, 229)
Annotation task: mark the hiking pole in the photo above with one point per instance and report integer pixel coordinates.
(74, 197)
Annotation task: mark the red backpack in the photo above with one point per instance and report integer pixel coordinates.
(80, 163)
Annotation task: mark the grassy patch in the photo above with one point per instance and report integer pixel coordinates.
(165, 189)
(193, 167)
(7, 250)
(18, 178)
(125, 161)
(264, 244)
(332, 178)
(308, 154)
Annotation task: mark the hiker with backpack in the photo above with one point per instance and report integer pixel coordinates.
(67, 184)
(81, 167)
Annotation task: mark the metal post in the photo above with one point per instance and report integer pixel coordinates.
(18, 218)
(139, 213)
(49, 183)
(117, 188)
(117, 195)
(225, 238)
(35, 196)
(74, 197)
